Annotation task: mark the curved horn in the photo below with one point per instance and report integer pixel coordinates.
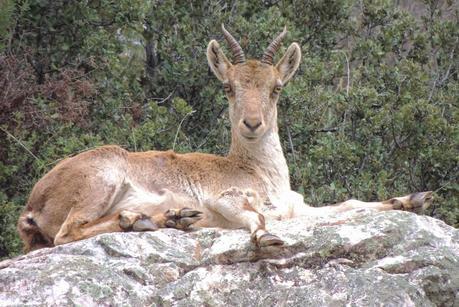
(238, 54)
(273, 47)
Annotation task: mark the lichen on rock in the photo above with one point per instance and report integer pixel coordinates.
(390, 258)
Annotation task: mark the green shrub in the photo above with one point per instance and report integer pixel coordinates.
(371, 114)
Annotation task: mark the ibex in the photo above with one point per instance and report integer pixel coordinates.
(109, 189)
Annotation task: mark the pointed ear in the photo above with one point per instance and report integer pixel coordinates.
(217, 60)
(289, 62)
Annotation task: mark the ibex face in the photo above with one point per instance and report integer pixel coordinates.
(252, 86)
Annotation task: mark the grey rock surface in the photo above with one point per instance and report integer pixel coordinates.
(360, 259)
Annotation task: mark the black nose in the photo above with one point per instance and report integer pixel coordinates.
(252, 125)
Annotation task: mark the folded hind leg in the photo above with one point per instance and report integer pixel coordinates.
(88, 211)
(178, 218)
(165, 209)
(127, 220)
(238, 207)
(76, 227)
(170, 212)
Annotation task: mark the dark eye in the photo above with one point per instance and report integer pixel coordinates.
(277, 90)
(227, 88)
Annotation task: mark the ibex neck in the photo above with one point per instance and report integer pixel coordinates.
(266, 158)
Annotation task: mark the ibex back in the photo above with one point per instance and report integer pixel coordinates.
(109, 189)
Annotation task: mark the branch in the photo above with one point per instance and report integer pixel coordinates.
(437, 82)
(450, 64)
(348, 69)
(162, 100)
(290, 142)
(20, 143)
(180, 125)
(333, 129)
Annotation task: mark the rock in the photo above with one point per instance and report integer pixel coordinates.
(361, 259)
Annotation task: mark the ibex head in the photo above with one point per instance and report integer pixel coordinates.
(252, 86)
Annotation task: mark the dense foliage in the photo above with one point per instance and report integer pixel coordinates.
(372, 112)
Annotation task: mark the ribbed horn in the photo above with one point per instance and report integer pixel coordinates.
(236, 49)
(268, 56)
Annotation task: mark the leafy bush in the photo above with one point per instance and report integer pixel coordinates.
(372, 112)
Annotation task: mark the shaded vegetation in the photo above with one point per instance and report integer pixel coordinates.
(372, 113)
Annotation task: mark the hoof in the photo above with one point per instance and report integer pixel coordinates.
(136, 221)
(416, 202)
(181, 218)
(421, 201)
(269, 240)
(144, 224)
(128, 218)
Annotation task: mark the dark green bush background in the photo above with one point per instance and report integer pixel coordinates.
(372, 112)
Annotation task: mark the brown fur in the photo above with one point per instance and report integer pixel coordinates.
(109, 189)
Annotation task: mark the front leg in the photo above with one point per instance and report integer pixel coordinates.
(172, 218)
(238, 208)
